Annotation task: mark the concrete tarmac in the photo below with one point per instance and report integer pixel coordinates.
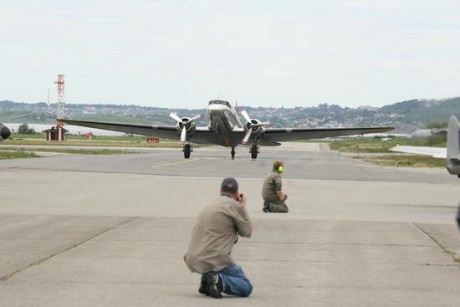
(112, 230)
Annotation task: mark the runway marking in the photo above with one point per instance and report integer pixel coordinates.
(175, 163)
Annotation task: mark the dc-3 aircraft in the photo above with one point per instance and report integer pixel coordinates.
(451, 153)
(225, 129)
(4, 132)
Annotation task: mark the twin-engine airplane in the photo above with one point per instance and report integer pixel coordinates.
(225, 129)
(4, 132)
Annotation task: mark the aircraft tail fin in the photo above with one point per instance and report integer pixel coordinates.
(453, 139)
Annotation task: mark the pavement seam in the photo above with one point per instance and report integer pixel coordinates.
(450, 253)
(159, 173)
(175, 163)
(298, 286)
(42, 260)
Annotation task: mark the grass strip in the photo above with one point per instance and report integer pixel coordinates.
(19, 154)
(377, 145)
(74, 151)
(405, 161)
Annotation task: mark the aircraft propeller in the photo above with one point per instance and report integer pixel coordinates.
(184, 124)
(251, 124)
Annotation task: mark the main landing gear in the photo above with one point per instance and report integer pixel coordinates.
(254, 151)
(233, 152)
(187, 149)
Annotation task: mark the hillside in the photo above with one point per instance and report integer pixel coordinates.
(405, 115)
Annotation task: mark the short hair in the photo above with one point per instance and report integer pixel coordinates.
(229, 185)
(277, 164)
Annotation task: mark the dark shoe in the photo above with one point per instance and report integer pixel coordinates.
(214, 284)
(203, 286)
(265, 208)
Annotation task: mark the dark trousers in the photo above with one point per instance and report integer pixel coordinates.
(278, 206)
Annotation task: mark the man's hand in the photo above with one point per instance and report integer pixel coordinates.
(280, 195)
(242, 199)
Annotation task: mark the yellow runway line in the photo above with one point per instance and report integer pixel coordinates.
(175, 163)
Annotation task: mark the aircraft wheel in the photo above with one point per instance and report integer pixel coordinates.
(187, 151)
(254, 152)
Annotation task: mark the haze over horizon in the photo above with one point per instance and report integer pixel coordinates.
(181, 54)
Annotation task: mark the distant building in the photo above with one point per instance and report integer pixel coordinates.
(56, 134)
(89, 110)
(368, 108)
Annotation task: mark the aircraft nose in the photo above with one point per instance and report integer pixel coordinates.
(5, 133)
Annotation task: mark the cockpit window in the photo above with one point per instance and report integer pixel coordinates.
(226, 103)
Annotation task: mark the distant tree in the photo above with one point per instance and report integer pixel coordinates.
(438, 140)
(436, 125)
(24, 129)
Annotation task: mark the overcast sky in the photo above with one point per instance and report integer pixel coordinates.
(262, 53)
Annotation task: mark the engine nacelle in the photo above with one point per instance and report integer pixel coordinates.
(256, 126)
(4, 132)
(190, 126)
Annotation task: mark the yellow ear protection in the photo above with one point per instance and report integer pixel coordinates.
(281, 169)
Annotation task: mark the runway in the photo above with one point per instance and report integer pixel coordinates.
(111, 230)
(303, 160)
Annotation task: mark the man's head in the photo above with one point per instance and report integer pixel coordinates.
(278, 166)
(229, 187)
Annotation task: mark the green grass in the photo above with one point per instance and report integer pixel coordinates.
(376, 145)
(76, 151)
(388, 158)
(17, 155)
(405, 161)
(78, 140)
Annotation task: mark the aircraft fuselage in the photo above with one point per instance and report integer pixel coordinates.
(223, 120)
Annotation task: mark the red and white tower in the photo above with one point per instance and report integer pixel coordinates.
(60, 98)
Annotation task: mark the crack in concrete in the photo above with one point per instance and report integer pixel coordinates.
(449, 252)
(42, 260)
(336, 244)
(376, 262)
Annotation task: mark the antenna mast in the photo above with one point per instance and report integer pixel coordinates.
(60, 98)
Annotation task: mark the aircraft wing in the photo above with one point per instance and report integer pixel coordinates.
(295, 134)
(436, 152)
(169, 132)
